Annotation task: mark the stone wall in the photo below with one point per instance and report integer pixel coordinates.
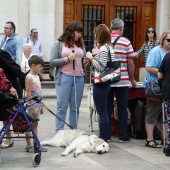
(162, 16)
(28, 14)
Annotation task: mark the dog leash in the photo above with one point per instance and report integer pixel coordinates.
(57, 116)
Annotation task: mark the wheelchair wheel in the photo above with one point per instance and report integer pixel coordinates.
(36, 159)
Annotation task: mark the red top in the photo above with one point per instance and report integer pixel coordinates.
(4, 82)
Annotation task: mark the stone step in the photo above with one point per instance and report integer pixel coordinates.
(46, 68)
(49, 84)
(46, 77)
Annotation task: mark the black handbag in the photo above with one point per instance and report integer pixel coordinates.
(153, 91)
(111, 74)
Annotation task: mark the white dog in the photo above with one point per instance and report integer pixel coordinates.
(63, 138)
(86, 143)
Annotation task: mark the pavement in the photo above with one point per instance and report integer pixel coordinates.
(121, 156)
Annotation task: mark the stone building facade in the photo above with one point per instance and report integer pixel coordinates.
(48, 18)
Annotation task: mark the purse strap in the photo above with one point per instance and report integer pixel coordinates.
(108, 54)
(109, 51)
(115, 41)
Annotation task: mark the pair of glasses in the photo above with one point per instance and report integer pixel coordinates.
(168, 40)
(150, 31)
(35, 32)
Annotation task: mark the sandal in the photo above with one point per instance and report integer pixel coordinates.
(152, 144)
(6, 144)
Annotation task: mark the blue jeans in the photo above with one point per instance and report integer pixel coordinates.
(66, 97)
(100, 95)
(121, 94)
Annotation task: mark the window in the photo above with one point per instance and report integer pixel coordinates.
(92, 15)
(128, 15)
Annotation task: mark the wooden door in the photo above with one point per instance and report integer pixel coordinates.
(136, 14)
(90, 14)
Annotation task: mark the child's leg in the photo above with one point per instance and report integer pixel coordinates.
(28, 140)
(35, 127)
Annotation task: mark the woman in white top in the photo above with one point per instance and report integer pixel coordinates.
(27, 49)
(100, 92)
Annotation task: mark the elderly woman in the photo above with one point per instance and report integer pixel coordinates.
(153, 63)
(17, 79)
(27, 49)
(6, 103)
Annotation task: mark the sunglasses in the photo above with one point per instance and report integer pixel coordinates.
(150, 31)
(168, 40)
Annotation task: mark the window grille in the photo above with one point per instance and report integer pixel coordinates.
(92, 15)
(128, 15)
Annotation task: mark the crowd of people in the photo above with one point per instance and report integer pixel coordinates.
(69, 58)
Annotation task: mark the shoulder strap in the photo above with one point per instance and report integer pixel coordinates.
(108, 53)
(116, 40)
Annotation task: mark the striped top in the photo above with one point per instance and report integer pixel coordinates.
(146, 47)
(102, 57)
(123, 51)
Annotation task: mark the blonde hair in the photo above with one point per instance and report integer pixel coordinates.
(163, 37)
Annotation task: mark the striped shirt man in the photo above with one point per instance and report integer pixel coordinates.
(123, 51)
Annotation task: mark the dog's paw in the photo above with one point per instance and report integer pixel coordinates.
(42, 143)
(64, 154)
(75, 155)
